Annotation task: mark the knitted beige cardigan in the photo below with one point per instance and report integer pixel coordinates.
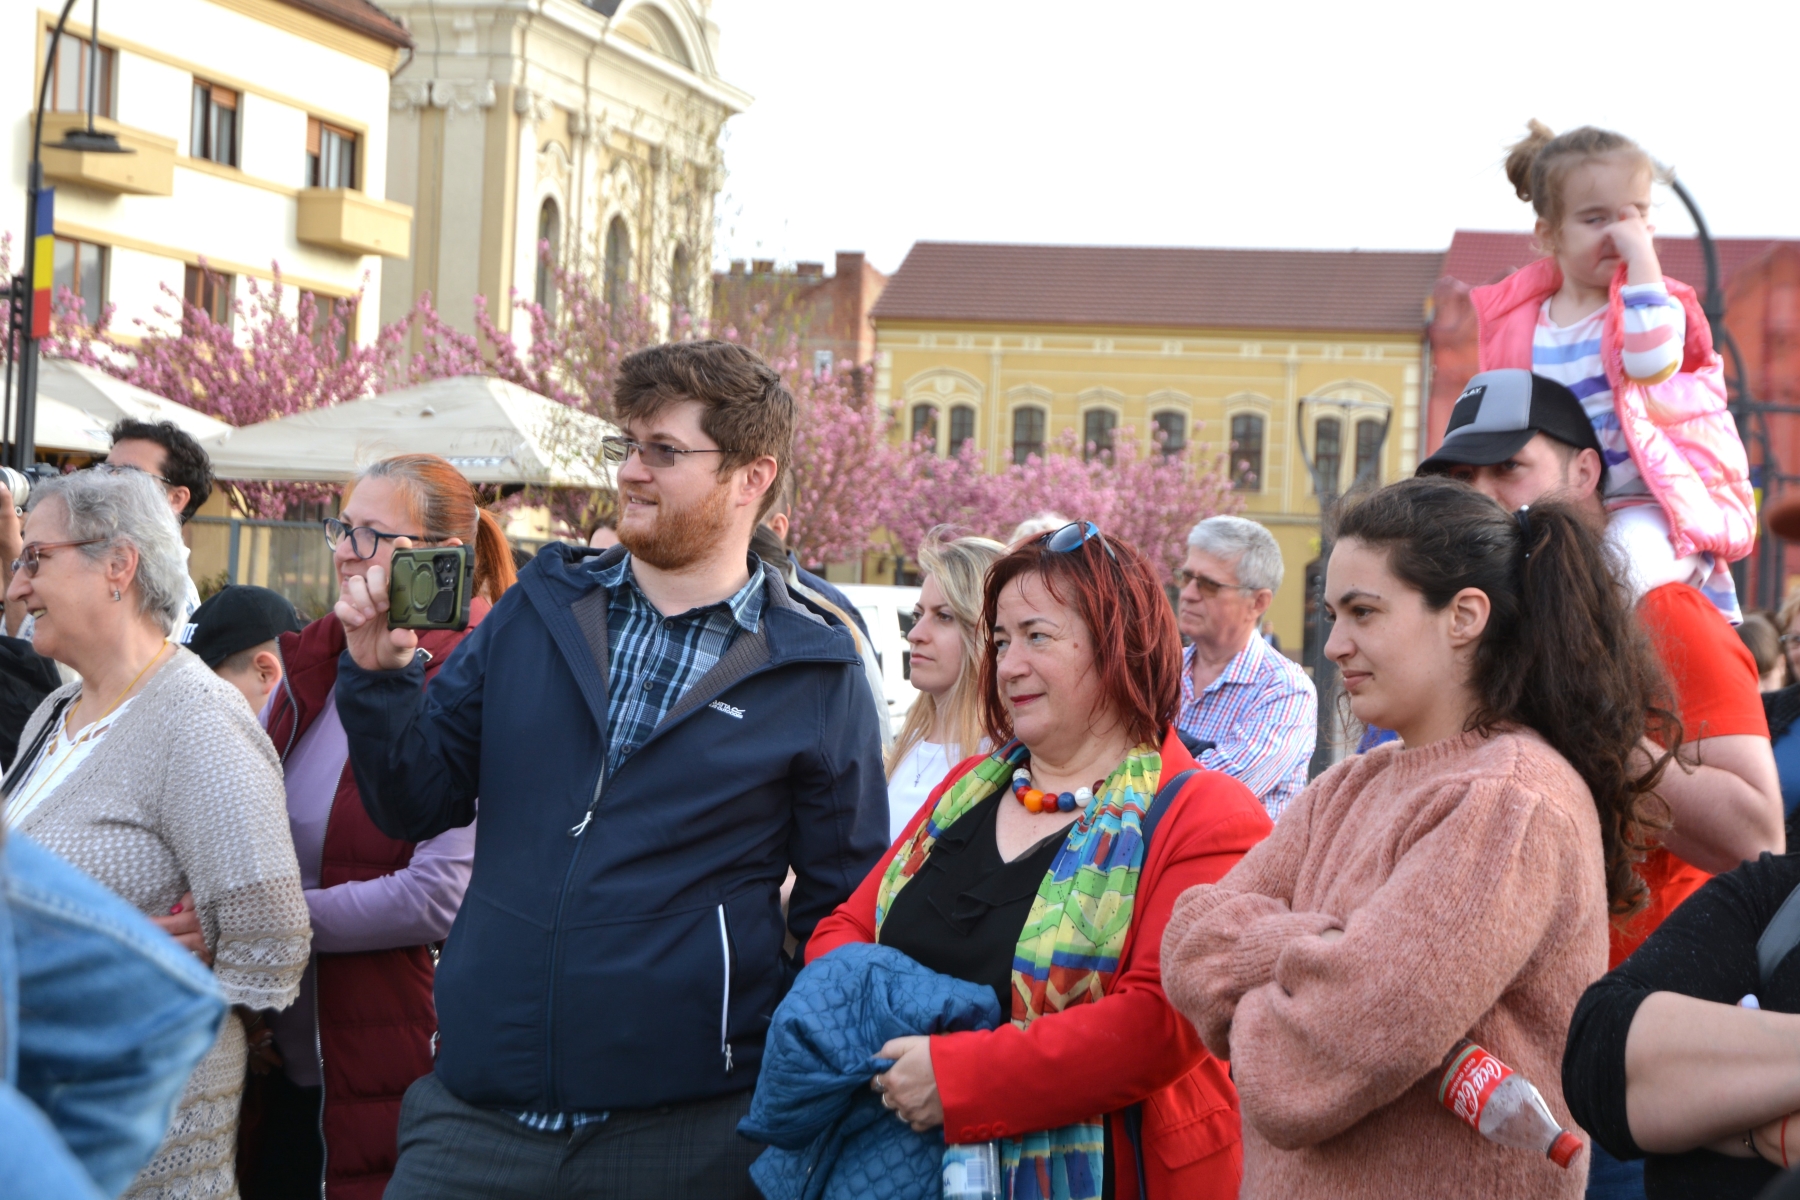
(185, 793)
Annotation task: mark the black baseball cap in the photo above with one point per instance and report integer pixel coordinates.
(237, 617)
(1499, 411)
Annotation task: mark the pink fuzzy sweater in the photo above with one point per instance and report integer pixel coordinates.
(1467, 879)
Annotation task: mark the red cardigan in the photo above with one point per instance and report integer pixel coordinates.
(1130, 1046)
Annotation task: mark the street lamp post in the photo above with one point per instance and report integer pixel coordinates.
(29, 295)
(1325, 672)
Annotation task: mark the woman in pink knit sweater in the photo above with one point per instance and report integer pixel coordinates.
(1455, 884)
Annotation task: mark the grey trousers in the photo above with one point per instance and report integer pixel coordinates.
(450, 1151)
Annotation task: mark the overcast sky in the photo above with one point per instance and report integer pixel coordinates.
(1377, 124)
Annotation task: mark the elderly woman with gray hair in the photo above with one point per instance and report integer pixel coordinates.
(152, 775)
(1246, 709)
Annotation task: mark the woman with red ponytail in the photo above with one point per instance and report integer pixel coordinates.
(364, 1027)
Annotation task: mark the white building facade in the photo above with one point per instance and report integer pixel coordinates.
(259, 130)
(592, 128)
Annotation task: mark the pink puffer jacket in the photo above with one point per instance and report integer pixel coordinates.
(1681, 437)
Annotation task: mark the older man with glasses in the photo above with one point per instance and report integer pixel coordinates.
(1256, 707)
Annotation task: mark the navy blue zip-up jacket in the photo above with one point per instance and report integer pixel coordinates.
(634, 959)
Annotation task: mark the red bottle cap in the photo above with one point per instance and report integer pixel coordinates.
(1564, 1149)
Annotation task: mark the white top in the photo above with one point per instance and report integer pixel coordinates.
(60, 759)
(923, 768)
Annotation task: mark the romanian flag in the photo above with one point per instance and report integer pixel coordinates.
(43, 262)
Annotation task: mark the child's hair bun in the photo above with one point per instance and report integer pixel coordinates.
(1523, 153)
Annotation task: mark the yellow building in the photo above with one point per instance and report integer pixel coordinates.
(1010, 346)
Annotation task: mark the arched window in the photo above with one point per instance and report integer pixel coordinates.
(1368, 454)
(1247, 452)
(1328, 455)
(681, 288)
(1027, 433)
(549, 253)
(962, 427)
(1171, 431)
(618, 264)
(924, 424)
(1097, 426)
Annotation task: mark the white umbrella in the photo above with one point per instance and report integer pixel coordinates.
(490, 430)
(77, 406)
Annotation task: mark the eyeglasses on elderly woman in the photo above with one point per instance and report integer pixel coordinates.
(33, 554)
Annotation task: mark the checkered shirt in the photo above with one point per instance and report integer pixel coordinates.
(652, 661)
(1262, 714)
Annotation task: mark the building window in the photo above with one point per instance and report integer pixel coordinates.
(1247, 452)
(1171, 431)
(210, 292)
(1368, 454)
(80, 267)
(1097, 425)
(681, 294)
(324, 308)
(1328, 455)
(924, 424)
(962, 427)
(215, 132)
(618, 264)
(549, 252)
(1028, 433)
(330, 155)
(70, 73)
(822, 362)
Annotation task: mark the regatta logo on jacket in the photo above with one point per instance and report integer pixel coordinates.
(727, 709)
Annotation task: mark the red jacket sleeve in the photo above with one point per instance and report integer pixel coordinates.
(1098, 1058)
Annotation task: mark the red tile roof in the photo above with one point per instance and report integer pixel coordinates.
(1478, 256)
(360, 15)
(1168, 287)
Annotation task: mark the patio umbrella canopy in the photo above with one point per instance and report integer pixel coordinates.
(490, 430)
(77, 406)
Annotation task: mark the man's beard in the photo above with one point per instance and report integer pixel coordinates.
(679, 538)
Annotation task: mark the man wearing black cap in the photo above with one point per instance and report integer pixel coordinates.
(1521, 439)
(235, 634)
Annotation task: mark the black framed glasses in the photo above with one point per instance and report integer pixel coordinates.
(33, 554)
(1209, 587)
(364, 542)
(615, 450)
(107, 468)
(1072, 536)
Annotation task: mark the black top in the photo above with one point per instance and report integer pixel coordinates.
(1705, 949)
(962, 913)
(26, 677)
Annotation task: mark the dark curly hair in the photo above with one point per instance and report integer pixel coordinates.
(185, 464)
(1563, 653)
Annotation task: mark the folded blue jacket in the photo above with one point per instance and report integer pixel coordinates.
(102, 1018)
(829, 1137)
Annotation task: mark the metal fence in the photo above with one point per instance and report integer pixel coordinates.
(290, 557)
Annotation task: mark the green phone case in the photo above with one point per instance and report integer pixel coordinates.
(430, 588)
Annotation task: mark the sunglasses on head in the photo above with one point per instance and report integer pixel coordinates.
(1072, 536)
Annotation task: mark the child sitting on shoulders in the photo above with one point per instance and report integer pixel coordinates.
(1598, 316)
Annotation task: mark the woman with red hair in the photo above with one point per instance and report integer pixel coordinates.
(1032, 870)
(365, 1026)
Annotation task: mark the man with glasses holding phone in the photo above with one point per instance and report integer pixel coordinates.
(1256, 706)
(657, 733)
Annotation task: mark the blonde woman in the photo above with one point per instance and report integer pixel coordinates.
(944, 726)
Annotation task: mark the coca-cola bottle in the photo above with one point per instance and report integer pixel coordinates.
(1502, 1105)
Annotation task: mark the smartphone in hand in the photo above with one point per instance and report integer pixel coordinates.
(430, 588)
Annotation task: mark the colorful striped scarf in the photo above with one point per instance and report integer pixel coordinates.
(1069, 947)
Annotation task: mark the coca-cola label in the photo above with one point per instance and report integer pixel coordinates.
(1469, 1081)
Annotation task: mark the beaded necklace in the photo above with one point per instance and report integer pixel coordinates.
(1036, 801)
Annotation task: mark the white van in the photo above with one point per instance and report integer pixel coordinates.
(887, 611)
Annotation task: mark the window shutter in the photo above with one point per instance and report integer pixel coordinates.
(312, 135)
(224, 97)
